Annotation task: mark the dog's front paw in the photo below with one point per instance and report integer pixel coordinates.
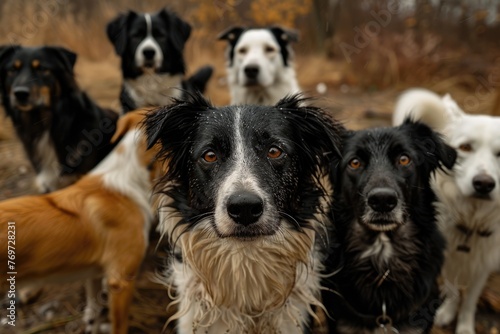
(446, 313)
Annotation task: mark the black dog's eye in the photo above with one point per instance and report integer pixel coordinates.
(404, 160)
(242, 51)
(210, 156)
(465, 147)
(274, 153)
(355, 163)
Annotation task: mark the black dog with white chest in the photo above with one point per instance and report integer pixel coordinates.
(64, 133)
(151, 46)
(390, 249)
(245, 212)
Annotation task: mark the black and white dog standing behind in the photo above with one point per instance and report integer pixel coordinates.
(64, 133)
(469, 200)
(151, 47)
(384, 273)
(246, 219)
(260, 64)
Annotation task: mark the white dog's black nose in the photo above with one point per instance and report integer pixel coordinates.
(382, 199)
(245, 207)
(149, 54)
(251, 71)
(483, 183)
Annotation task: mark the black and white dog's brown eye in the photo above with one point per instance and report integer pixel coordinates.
(404, 160)
(465, 147)
(274, 153)
(210, 156)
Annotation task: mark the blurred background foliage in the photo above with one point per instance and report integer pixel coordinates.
(365, 44)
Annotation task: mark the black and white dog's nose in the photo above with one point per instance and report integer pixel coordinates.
(245, 208)
(22, 93)
(483, 183)
(251, 71)
(382, 199)
(149, 54)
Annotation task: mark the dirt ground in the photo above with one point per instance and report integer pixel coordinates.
(59, 308)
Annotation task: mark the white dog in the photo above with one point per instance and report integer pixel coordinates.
(259, 64)
(469, 200)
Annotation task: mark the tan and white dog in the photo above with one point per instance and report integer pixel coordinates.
(468, 204)
(95, 228)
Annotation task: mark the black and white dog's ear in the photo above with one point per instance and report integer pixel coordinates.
(435, 151)
(231, 35)
(285, 35)
(66, 57)
(318, 133)
(117, 31)
(180, 29)
(174, 127)
(6, 51)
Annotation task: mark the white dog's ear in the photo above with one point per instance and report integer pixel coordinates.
(452, 108)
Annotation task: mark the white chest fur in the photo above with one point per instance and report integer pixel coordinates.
(153, 89)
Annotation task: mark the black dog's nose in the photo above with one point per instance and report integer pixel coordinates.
(483, 183)
(22, 94)
(149, 54)
(382, 199)
(252, 71)
(245, 207)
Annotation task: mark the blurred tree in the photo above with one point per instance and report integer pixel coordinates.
(327, 15)
(269, 12)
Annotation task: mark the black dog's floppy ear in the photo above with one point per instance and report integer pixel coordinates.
(436, 152)
(180, 30)
(65, 56)
(117, 31)
(319, 134)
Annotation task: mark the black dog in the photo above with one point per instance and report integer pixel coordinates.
(390, 249)
(246, 219)
(64, 133)
(152, 61)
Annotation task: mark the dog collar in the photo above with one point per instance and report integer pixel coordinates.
(468, 233)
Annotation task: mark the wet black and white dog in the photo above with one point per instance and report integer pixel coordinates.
(63, 132)
(151, 49)
(260, 64)
(390, 248)
(246, 218)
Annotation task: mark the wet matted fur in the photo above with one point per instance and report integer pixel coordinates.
(244, 211)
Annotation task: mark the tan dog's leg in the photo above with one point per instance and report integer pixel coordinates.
(121, 289)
